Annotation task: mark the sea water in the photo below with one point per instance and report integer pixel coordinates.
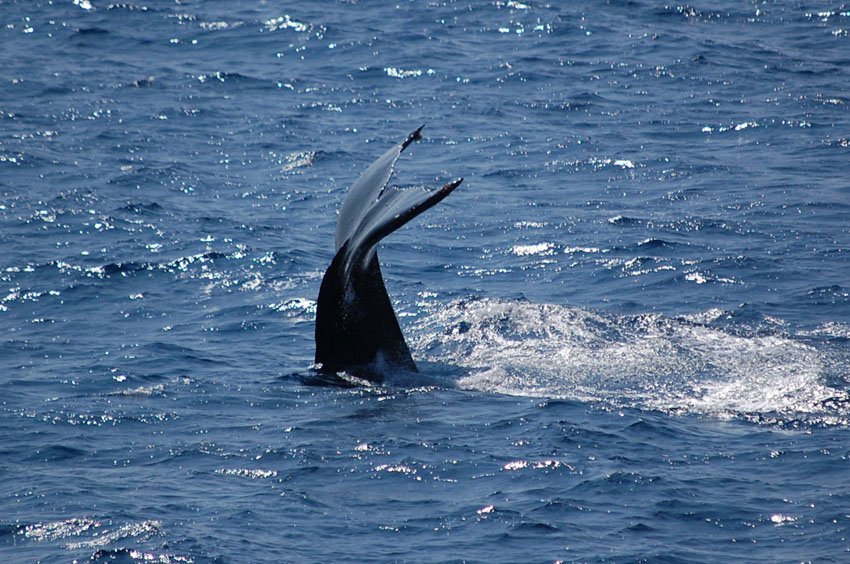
(632, 320)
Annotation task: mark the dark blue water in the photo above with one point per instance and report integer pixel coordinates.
(632, 320)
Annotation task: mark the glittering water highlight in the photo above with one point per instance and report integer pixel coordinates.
(633, 319)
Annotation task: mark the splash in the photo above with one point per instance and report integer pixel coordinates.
(682, 365)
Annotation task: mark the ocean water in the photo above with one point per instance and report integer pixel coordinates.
(632, 320)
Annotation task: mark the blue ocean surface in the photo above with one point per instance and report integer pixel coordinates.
(632, 320)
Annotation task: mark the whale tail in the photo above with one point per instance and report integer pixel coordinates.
(356, 327)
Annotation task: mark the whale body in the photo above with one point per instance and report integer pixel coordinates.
(356, 328)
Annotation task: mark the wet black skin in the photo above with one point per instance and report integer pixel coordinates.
(357, 330)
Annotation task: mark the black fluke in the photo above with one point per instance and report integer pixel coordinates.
(356, 328)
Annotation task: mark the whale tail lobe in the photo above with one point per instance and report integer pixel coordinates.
(356, 327)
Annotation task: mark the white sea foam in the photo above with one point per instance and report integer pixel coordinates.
(676, 365)
(534, 249)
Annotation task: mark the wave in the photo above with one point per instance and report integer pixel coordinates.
(698, 364)
(104, 537)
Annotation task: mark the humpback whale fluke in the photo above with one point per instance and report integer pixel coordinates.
(356, 327)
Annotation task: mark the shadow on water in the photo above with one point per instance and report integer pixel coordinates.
(431, 374)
